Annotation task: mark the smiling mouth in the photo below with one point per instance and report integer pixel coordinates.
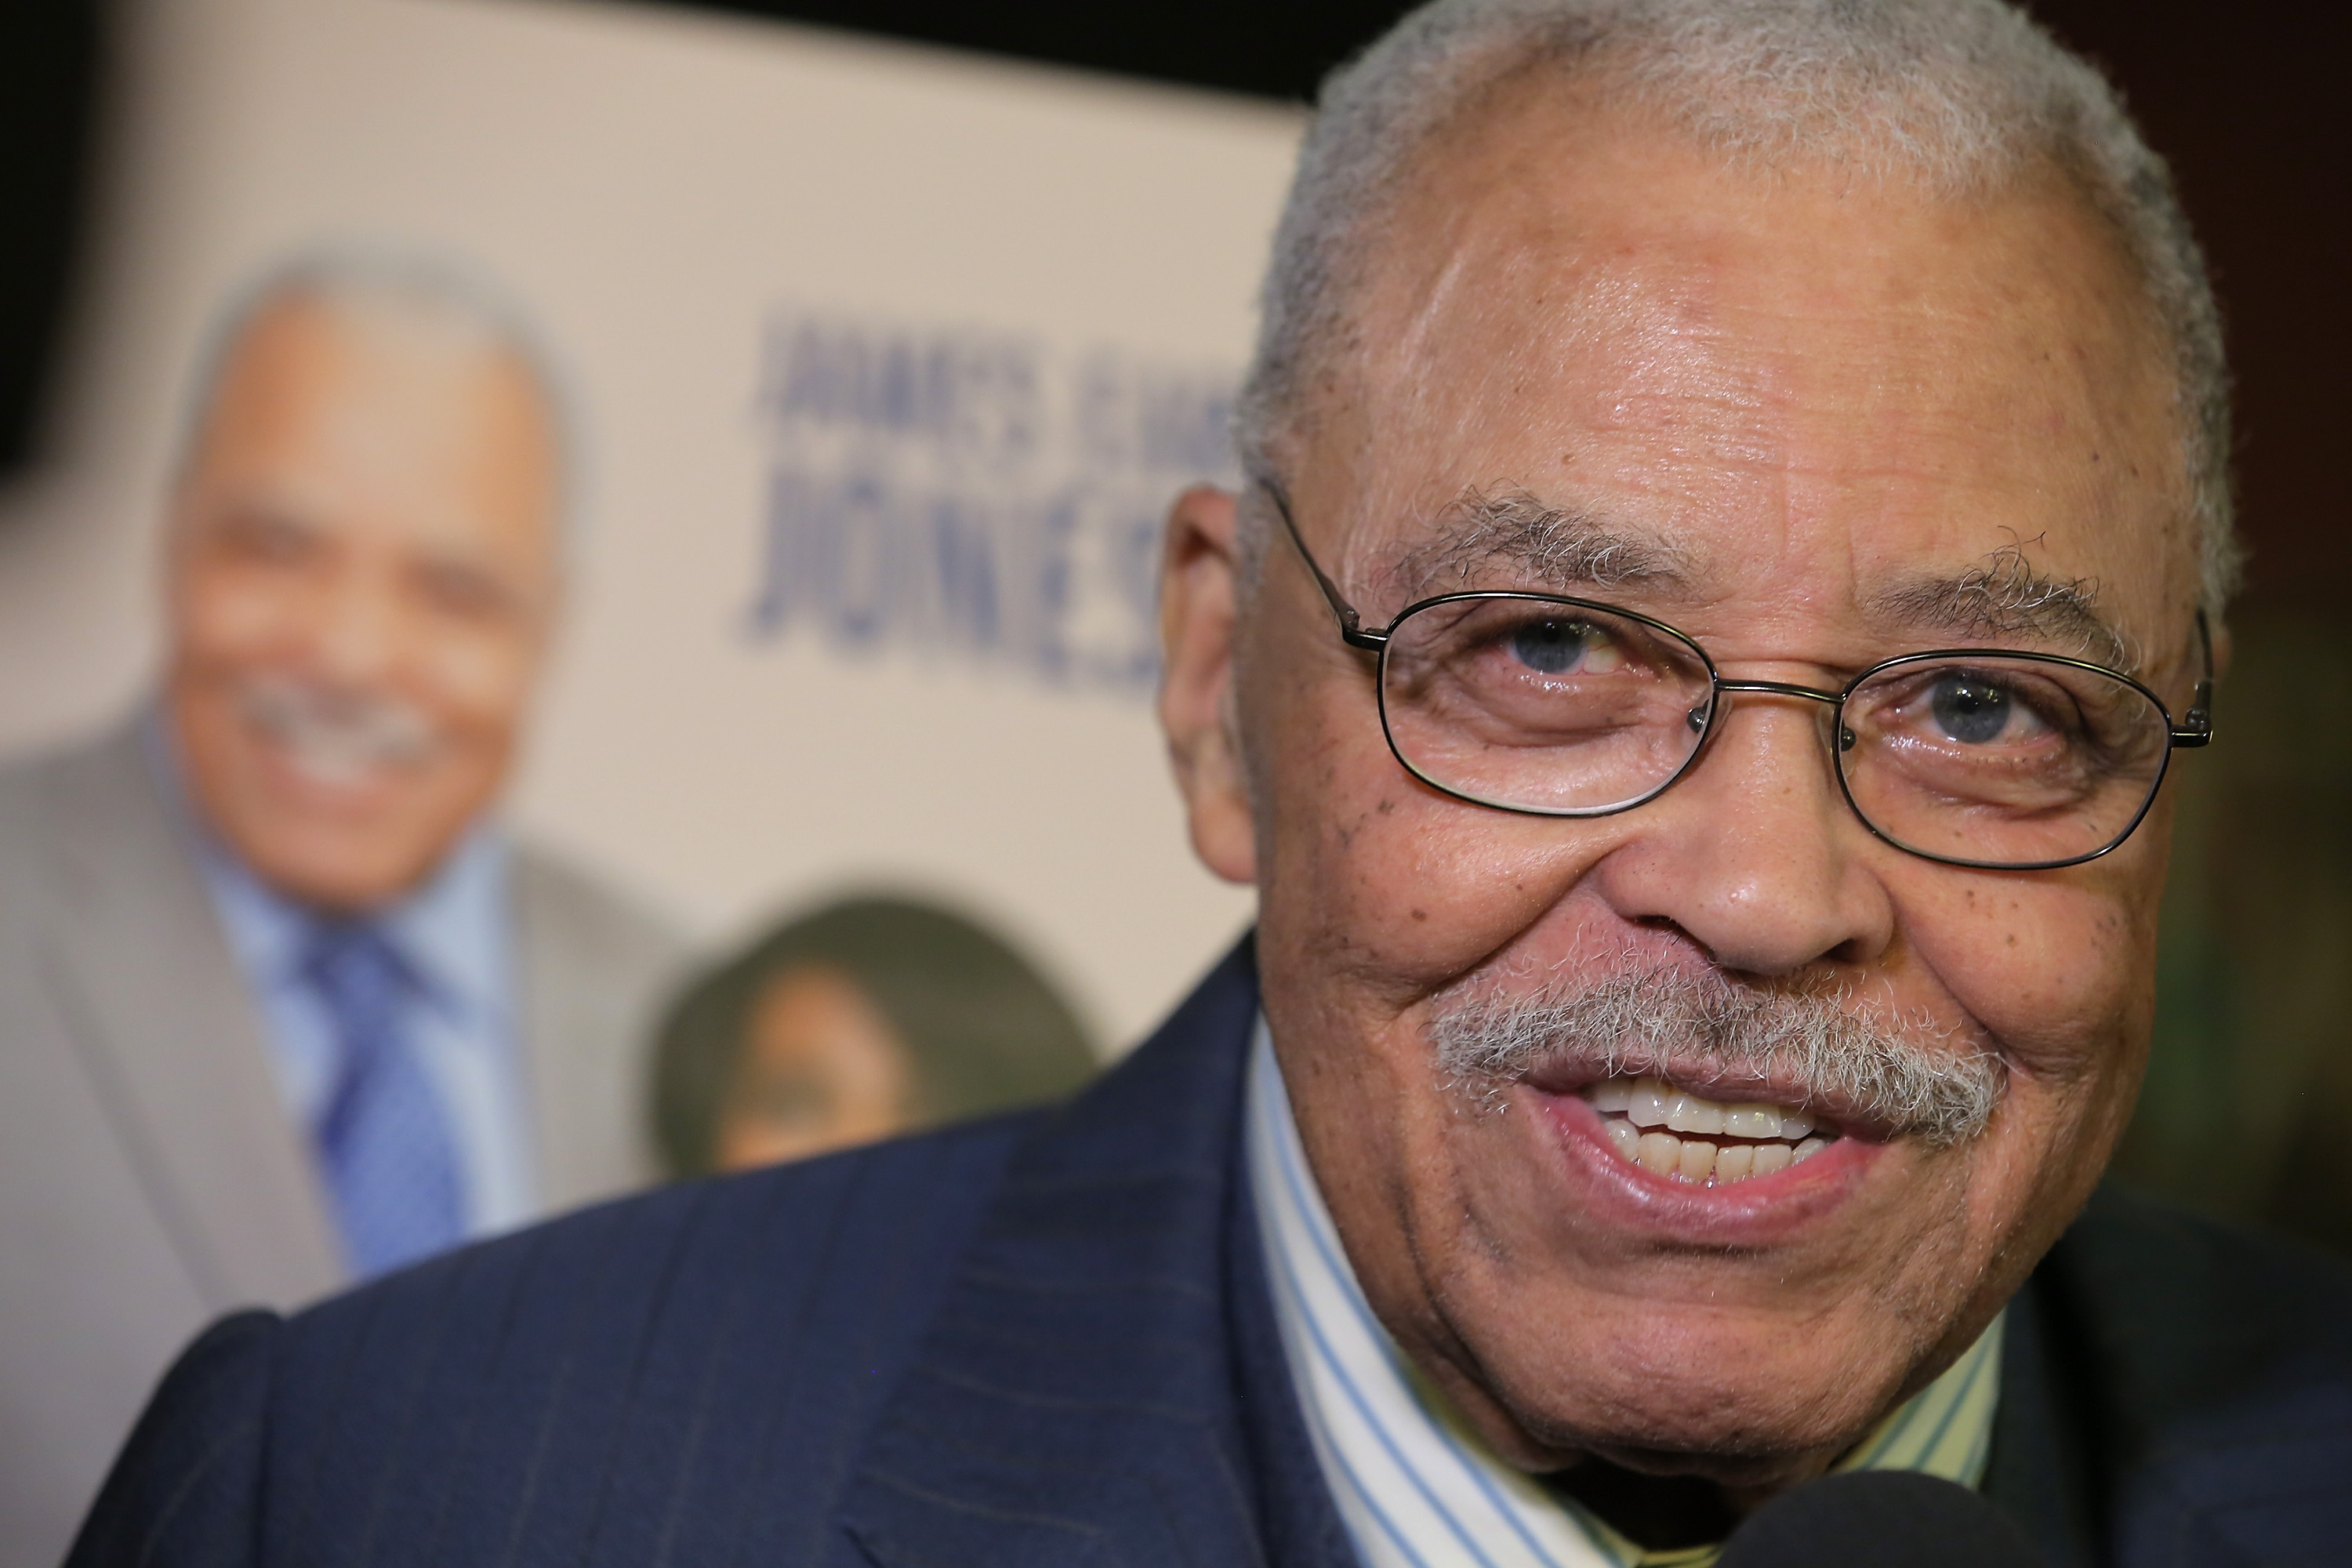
(336, 739)
(1675, 1134)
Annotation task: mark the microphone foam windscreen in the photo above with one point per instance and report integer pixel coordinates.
(1879, 1518)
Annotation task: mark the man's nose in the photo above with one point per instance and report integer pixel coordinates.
(356, 634)
(1755, 855)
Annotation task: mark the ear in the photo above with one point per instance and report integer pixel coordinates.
(1200, 605)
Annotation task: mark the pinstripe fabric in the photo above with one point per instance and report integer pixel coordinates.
(1414, 1487)
(1047, 1341)
(631, 1386)
(1105, 1382)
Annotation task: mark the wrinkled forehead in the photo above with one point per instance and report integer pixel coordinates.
(1591, 358)
(302, 356)
(333, 410)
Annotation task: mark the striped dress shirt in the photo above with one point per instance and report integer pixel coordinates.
(1414, 1485)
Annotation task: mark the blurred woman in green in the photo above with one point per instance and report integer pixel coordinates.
(867, 1018)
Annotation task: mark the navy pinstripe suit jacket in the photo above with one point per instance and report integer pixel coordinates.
(1047, 1341)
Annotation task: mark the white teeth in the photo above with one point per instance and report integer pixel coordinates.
(1625, 1136)
(1671, 1131)
(1694, 1138)
(1688, 1113)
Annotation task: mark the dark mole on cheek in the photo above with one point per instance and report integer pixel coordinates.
(1387, 806)
(1422, 915)
(2012, 942)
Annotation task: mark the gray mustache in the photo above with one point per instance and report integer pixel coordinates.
(1851, 1062)
(337, 731)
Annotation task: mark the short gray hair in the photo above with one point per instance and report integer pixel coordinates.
(1957, 94)
(424, 294)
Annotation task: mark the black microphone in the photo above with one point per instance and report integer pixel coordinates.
(1879, 1518)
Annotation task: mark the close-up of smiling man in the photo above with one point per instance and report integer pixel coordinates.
(1736, 533)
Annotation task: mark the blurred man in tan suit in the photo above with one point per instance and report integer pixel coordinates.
(280, 1006)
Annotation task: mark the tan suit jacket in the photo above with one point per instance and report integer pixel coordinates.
(149, 1178)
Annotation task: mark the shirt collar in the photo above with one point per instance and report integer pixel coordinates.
(450, 933)
(1413, 1483)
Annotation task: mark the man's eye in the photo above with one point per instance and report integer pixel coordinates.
(464, 591)
(267, 538)
(1976, 712)
(1555, 646)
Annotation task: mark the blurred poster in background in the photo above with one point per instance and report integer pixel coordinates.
(884, 365)
(637, 484)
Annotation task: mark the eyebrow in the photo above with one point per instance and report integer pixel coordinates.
(2005, 597)
(1566, 548)
(1557, 546)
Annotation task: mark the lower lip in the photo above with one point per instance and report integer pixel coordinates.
(302, 788)
(1755, 1211)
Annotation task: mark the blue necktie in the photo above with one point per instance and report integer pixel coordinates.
(382, 1140)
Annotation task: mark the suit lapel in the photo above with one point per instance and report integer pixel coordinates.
(136, 962)
(2038, 1469)
(543, 1023)
(1103, 1384)
(579, 1023)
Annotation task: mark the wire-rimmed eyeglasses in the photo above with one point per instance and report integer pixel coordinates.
(1553, 706)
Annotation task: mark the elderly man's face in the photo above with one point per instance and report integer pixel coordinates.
(1801, 400)
(362, 576)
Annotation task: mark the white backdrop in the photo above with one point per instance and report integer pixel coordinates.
(672, 196)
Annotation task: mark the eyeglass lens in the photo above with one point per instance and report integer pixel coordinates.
(2001, 759)
(1533, 705)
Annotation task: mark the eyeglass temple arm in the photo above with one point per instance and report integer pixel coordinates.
(1352, 628)
(2196, 724)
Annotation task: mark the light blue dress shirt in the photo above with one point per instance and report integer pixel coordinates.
(454, 933)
